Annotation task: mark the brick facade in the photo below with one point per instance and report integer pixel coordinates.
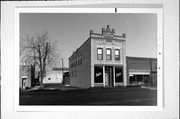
(142, 70)
(80, 66)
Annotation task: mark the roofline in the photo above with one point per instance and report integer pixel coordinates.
(141, 57)
(60, 68)
(103, 35)
(121, 40)
(80, 47)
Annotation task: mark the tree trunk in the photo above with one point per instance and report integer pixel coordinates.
(32, 74)
(44, 60)
(151, 78)
(40, 66)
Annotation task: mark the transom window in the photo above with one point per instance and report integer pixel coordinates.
(117, 54)
(108, 54)
(100, 54)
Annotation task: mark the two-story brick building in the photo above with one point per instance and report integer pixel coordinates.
(99, 61)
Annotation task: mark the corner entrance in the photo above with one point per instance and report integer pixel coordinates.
(109, 76)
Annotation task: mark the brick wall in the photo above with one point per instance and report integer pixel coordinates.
(141, 63)
(79, 64)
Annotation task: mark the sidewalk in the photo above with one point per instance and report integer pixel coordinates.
(53, 87)
(149, 87)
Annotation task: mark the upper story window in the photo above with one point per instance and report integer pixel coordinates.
(108, 54)
(100, 54)
(117, 54)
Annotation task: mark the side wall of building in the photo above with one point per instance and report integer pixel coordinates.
(79, 62)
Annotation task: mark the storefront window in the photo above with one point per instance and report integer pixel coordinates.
(118, 74)
(98, 74)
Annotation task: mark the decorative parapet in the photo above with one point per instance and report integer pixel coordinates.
(108, 34)
(95, 35)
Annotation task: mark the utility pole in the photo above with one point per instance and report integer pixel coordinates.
(151, 79)
(62, 66)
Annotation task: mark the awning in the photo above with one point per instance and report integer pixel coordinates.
(138, 72)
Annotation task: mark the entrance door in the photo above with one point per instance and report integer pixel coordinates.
(24, 83)
(109, 76)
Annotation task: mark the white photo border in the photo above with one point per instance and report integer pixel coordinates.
(158, 11)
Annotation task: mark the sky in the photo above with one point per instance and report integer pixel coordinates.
(71, 30)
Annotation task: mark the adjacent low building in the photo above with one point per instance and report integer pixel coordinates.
(141, 71)
(55, 75)
(30, 78)
(25, 77)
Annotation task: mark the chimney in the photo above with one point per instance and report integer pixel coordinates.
(124, 35)
(103, 30)
(108, 29)
(91, 31)
(113, 30)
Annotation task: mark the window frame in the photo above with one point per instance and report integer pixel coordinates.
(99, 48)
(108, 54)
(116, 55)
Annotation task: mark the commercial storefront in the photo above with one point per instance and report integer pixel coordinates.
(108, 76)
(141, 71)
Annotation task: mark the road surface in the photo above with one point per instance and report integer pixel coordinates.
(110, 96)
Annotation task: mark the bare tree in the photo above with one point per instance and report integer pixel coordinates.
(39, 51)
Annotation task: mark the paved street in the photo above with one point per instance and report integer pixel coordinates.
(102, 96)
